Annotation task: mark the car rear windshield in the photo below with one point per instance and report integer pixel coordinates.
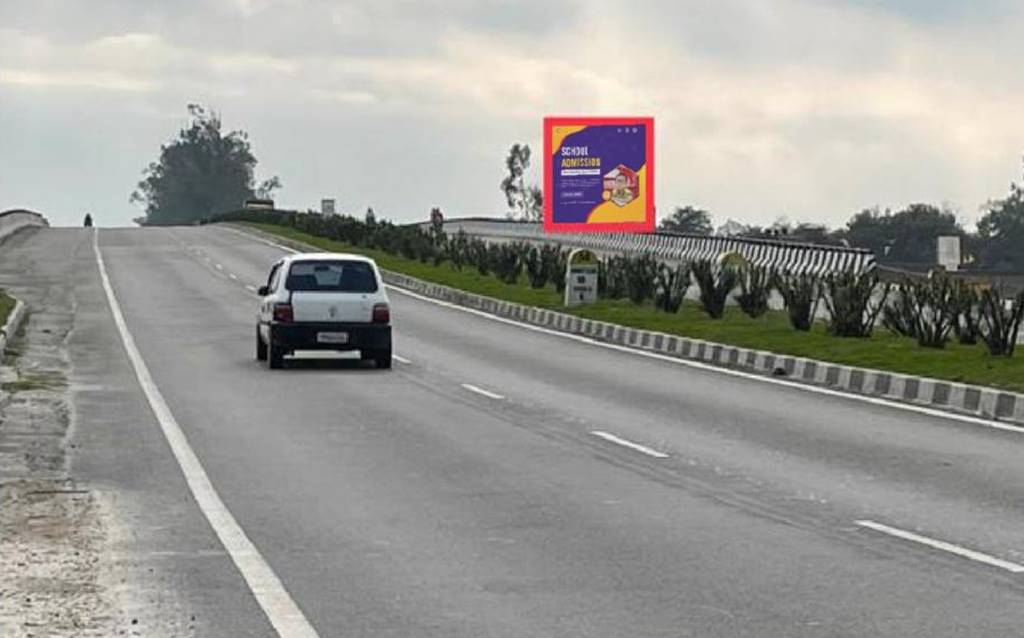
(331, 276)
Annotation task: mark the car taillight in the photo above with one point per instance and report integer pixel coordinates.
(381, 313)
(283, 312)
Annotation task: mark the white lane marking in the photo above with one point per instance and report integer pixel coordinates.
(232, 275)
(895, 405)
(726, 371)
(944, 546)
(250, 288)
(400, 359)
(285, 616)
(257, 238)
(643, 449)
(218, 267)
(481, 391)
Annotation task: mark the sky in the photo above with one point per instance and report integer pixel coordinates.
(764, 109)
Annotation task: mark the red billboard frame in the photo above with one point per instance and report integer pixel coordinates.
(550, 225)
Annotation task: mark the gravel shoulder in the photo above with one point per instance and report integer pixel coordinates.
(73, 561)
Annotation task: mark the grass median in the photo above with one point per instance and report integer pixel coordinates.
(885, 351)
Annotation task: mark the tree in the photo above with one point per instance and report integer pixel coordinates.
(1001, 232)
(524, 202)
(688, 220)
(200, 173)
(907, 236)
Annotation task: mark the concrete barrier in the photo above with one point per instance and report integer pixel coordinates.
(12, 221)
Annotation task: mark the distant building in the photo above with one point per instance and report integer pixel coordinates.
(327, 207)
(259, 204)
(948, 250)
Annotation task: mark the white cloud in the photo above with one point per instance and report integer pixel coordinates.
(103, 80)
(809, 109)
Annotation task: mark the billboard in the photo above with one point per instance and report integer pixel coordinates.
(599, 174)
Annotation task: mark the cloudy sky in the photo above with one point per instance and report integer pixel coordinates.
(806, 109)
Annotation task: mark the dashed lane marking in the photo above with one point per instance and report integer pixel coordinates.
(482, 392)
(643, 449)
(964, 552)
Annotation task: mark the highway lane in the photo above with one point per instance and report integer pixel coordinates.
(402, 503)
(162, 566)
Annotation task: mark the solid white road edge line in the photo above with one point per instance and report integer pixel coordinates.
(258, 239)
(643, 449)
(944, 546)
(400, 359)
(481, 391)
(282, 612)
(896, 405)
(726, 371)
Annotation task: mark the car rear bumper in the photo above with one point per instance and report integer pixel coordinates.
(303, 336)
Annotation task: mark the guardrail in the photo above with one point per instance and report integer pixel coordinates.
(673, 247)
(12, 221)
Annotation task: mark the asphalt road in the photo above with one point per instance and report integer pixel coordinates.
(402, 503)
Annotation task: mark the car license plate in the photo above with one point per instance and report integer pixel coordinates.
(332, 337)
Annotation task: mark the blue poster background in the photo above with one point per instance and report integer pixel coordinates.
(576, 196)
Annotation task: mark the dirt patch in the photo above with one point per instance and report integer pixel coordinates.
(52, 537)
(64, 570)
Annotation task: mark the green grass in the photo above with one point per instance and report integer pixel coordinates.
(966, 364)
(6, 306)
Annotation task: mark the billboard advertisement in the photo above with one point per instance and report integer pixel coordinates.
(599, 174)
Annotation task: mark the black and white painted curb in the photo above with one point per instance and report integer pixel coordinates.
(978, 401)
(11, 326)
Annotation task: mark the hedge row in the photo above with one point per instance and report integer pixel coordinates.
(930, 311)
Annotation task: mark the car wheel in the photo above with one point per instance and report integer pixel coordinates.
(275, 354)
(275, 358)
(383, 360)
(261, 348)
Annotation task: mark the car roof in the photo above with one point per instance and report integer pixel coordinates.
(318, 256)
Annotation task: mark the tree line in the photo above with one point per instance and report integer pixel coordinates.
(904, 237)
(205, 171)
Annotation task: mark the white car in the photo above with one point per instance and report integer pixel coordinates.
(323, 301)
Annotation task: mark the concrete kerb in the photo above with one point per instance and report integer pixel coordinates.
(977, 401)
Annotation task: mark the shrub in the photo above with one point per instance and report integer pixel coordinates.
(641, 274)
(967, 324)
(670, 287)
(801, 294)
(930, 309)
(558, 261)
(899, 315)
(616, 282)
(505, 262)
(716, 283)
(848, 297)
(479, 256)
(936, 311)
(1000, 321)
(755, 289)
(458, 250)
(602, 279)
(536, 268)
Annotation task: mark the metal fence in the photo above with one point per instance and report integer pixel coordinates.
(671, 247)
